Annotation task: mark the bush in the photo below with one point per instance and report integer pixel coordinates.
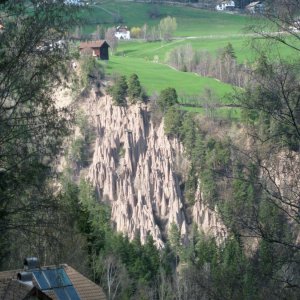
(136, 32)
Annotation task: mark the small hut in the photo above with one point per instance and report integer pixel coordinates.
(95, 48)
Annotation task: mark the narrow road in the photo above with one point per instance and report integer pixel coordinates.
(104, 9)
(233, 35)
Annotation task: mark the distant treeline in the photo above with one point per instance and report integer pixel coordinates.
(223, 66)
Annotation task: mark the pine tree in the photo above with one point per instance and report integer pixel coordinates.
(172, 121)
(229, 51)
(188, 133)
(119, 91)
(191, 185)
(167, 98)
(134, 88)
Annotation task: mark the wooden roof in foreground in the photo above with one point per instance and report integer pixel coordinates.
(5, 278)
(12, 289)
(93, 44)
(86, 288)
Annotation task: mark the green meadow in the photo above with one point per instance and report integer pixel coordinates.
(204, 30)
(148, 50)
(156, 76)
(233, 114)
(191, 21)
(148, 59)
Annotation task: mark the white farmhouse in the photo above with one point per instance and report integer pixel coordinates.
(74, 2)
(122, 33)
(225, 5)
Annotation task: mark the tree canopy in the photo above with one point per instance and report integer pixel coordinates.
(167, 98)
(119, 91)
(33, 62)
(134, 88)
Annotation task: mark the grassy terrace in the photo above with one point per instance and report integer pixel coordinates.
(204, 30)
(155, 76)
(138, 56)
(141, 49)
(191, 21)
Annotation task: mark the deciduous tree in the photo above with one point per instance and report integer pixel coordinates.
(33, 62)
(111, 38)
(167, 27)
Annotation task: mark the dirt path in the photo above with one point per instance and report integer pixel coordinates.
(233, 35)
(168, 44)
(104, 9)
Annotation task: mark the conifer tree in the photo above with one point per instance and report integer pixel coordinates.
(229, 51)
(172, 121)
(134, 88)
(119, 91)
(167, 98)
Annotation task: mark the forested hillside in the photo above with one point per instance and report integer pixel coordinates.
(168, 177)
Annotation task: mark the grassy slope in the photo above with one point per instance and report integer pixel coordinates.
(244, 53)
(137, 57)
(144, 50)
(233, 114)
(212, 31)
(191, 21)
(155, 76)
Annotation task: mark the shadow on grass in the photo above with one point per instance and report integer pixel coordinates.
(124, 52)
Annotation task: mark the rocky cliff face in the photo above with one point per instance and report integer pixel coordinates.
(134, 168)
(281, 178)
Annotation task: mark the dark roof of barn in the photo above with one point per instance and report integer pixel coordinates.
(93, 44)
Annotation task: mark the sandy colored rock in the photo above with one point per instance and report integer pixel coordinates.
(134, 168)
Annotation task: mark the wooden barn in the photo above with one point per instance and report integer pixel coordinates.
(95, 48)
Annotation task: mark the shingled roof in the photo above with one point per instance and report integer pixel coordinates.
(13, 289)
(92, 44)
(5, 278)
(17, 290)
(85, 287)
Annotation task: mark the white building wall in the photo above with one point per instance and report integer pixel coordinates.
(223, 5)
(123, 35)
